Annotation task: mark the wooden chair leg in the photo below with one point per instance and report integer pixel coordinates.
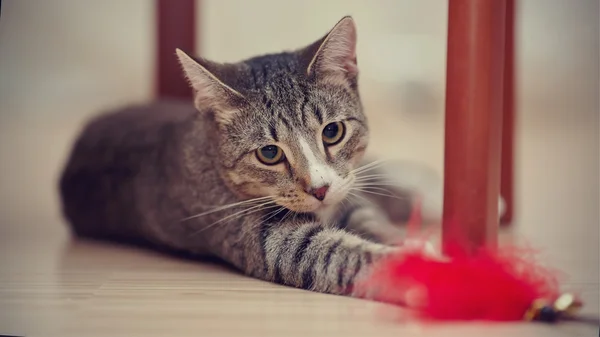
(176, 24)
(508, 118)
(474, 86)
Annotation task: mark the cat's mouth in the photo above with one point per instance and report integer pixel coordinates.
(311, 200)
(311, 205)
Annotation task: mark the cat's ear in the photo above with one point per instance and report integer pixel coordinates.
(210, 91)
(335, 55)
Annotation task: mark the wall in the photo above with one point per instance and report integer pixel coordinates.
(67, 58)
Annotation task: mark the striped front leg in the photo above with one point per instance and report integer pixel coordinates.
(314, 257)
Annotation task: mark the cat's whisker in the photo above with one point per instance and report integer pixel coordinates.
(221, 208)
(346, 184)
(366, 170)
(358, 196)
(241, 202)
(237, 215)
(273, 214)
(222, 220)
(359, 178)
(377, 179)
(372, 176)
(392, 187)
(391, 194)
(378, 182)
(369, 188)
(224, 207)
(344, 207)
(362, 169)
(340, 209)
(375, 162)
(285, 216)
(383, 180)
(247, 211)
(367, 184)
(380, 194)
(369, 166)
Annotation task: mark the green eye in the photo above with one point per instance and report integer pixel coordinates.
(333, 133)
(270, 154)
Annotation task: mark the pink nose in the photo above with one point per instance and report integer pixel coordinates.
(320, 192)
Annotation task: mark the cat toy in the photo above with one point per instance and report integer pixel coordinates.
(504, 284)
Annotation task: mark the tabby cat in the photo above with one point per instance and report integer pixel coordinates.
(264, 172)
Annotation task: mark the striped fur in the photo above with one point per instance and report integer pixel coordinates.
(157, 174)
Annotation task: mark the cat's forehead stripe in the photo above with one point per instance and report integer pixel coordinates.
(273, 132)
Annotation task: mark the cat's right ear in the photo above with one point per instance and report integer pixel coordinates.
(210, 92)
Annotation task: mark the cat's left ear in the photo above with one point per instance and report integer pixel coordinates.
(335, 56)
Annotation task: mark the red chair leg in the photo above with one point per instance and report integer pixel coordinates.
(474, 86)
(176, 24)
(508, 118)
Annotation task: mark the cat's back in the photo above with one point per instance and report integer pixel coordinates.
(115, 154)
(136, 125)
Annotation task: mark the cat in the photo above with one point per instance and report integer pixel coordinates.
(265, 170)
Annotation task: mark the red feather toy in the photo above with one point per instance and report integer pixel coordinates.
(505, 284)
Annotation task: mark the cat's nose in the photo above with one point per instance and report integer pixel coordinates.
(320, 192)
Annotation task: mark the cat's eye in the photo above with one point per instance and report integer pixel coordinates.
(333, 133)
(270, 154)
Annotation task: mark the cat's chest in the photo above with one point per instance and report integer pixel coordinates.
(329, 215)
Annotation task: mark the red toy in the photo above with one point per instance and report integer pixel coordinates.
(501, 285)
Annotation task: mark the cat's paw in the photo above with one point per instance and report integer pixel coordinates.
(423, 247)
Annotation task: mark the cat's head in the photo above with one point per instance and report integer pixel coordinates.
(290, 125)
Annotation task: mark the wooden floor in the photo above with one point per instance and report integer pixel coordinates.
(52, 286)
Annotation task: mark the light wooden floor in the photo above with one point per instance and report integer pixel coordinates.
(53, 286)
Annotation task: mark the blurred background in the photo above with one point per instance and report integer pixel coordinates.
(62, 61)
